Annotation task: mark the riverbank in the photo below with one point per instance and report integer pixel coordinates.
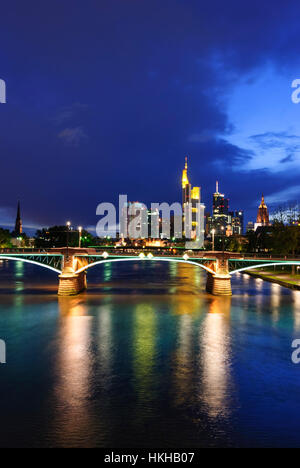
(283, 279)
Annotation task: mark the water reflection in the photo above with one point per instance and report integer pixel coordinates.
(105, 346)
(150, 368)
(19, 269)
(275, 301)
(19, 274)
(259, 297)
(73, 368)
(144, 348)
(183, 365)
(173, 268)
(189, 288)
(296, 299)
(107, 274)
(183, 304)
(189, 278)
(215, 358)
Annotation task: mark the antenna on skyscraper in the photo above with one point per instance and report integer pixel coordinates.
(217, 187)
(186, 162)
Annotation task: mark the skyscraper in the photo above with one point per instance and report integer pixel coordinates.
(134, 222)
(153, 224)
(237, 222)
(18, 225)
(193, 211)
(222, 220)
(220, 217)
(186, 186)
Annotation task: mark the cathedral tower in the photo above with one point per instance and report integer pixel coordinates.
(262, 214)
(18, 225)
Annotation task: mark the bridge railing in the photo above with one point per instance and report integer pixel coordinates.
(161, 253)
(267, 256)
(22, 250)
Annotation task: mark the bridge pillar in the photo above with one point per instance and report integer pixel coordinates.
(71, 284)
(219, 283)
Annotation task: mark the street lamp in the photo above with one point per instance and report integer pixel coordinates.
(68, 223)
(79, 231)
(213, 239)
(223, 239)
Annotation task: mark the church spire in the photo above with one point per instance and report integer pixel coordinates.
(262, 204)
(263, 214)
(18, 225)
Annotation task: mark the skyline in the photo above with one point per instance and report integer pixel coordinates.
(33, 229)
(208, 211)
(98, 105)
(150, 226)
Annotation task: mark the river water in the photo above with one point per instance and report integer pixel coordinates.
(145, 358)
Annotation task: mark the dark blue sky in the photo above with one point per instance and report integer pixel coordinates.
(107, 97)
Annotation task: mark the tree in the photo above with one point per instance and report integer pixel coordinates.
(236, 244)
(5, 238)
(60, 236)
(86, 239)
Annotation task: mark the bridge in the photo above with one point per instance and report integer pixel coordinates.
(71, 264)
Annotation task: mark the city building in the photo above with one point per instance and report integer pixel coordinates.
(175, 226)
(222, 220)
(220, 211)
(134, 221)
(208, 224)
(193, 211)
(237, 222)
(153, 224)
(262, 215)
(250, 226)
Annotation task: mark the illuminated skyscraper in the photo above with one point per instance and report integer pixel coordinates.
(237, 221)
(186, 186)
(223, 220)
(153, 224)
(134, 223)
(193, 211)
(220, 217)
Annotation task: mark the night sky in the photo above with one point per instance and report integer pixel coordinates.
(107, 97)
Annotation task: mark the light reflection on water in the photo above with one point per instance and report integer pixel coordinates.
(146, 358)
(296, 298)
(215, 357)
(73, 368)
(144, 331)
